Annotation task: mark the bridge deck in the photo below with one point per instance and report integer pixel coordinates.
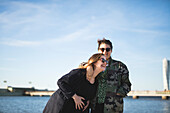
(39, 93)
(134, 94)
(137, 94)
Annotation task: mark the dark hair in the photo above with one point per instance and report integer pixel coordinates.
(105, 41)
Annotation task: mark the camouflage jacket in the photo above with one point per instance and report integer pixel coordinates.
(113, 85)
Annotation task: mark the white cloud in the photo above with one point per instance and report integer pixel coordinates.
(20, 43)
(23, 14)
(10, 59)
(80, 34)
(6, 69)
(75, 35)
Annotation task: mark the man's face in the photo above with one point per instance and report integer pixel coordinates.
(105, 49)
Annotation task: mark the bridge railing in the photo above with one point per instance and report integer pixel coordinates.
(39, 93)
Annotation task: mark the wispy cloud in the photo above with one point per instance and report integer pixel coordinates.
(10, 59)
(137, 30)
(78, 34)
(81, 33)
(25, 17)
(6, 69)
(20, 43)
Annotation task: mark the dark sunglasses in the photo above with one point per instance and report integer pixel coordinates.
(107, 49)
(103, 60)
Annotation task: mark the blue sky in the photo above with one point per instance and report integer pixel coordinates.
(41, 40)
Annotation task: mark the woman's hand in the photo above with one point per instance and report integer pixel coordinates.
(78, 101)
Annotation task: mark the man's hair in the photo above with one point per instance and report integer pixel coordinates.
(105, 41)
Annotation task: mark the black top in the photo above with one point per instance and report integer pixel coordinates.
(75, 82)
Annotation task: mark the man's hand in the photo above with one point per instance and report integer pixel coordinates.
(86, 105)
(118, 94)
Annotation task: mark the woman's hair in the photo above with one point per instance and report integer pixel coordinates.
(93, 59)
(105, 41)
(90, 64)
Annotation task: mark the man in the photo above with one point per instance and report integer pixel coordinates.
(113, 84)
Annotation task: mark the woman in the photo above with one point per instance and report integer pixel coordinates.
(77, 87)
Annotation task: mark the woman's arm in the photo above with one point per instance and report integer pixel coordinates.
(68, 84)
(65, 86)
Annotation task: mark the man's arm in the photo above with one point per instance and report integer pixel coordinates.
(125, 87)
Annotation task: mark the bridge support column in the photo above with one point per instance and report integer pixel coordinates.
(164, 97)
(135, 97)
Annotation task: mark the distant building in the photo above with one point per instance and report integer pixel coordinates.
(166, 74)
(15, 91)
(18, 91)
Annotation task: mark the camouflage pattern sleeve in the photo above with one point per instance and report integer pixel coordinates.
(125, 84)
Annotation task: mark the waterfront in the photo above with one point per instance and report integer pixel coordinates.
(27, 104)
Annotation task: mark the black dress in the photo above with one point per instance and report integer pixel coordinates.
(74, 82)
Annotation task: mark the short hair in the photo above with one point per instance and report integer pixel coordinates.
(105, 41)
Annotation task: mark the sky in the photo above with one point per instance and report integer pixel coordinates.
(42, 40)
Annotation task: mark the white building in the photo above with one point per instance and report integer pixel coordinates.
(166, 74)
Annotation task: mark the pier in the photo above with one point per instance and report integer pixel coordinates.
(21, 91)
(136, 94)
(39, 93)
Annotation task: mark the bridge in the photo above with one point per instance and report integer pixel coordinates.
(39, 93)
(134, 94)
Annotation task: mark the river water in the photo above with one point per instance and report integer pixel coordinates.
(26, 104)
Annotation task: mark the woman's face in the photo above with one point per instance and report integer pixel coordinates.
(101, 63)
(105, 49)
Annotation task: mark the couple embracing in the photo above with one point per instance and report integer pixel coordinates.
(97, 86)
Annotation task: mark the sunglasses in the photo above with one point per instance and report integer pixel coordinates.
(107, 49)
(103, 60)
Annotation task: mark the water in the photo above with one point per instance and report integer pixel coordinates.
(26, 104)
(22, 104)
(146, 105)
